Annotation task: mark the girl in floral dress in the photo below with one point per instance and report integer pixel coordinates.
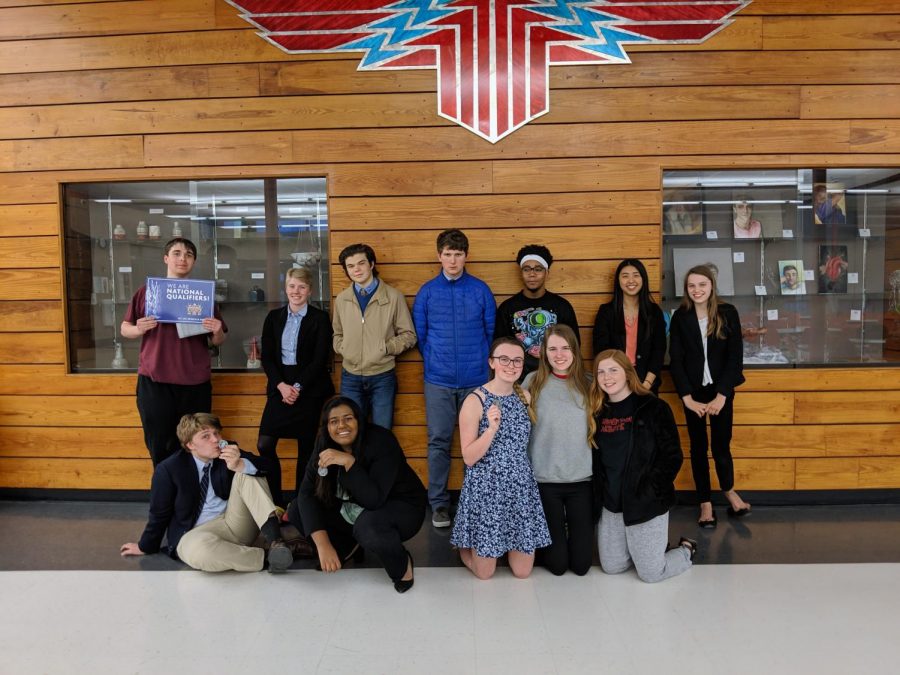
(500, 508)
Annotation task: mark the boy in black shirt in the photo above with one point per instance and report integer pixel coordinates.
(529, 313)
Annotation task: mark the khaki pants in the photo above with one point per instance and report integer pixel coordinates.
(224, 543)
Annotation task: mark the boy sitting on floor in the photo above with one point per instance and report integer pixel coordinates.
(212, 502)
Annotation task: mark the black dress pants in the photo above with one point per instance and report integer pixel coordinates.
(161, 407)
(567, 507)
(719, 441)
(381, 531)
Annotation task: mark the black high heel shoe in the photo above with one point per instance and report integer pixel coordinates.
(709, 524)
(402, 586)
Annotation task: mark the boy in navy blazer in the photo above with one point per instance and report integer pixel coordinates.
(212, 502)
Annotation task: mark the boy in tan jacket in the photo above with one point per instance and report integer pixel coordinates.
(372, 326)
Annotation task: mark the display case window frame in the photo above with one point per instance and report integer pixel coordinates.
(248, 232)
(838, 230)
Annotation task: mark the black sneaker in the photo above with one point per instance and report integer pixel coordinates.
(280, 557)
(441, 517)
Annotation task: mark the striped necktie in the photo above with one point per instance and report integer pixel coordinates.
(204, 488)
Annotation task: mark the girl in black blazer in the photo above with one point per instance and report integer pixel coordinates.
(359, 492)
(707, 355)
(633, 312)
(296, 364)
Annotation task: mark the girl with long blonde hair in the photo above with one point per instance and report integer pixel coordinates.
(637, 456)
(560, 452)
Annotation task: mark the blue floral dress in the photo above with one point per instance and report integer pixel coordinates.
(500, 507)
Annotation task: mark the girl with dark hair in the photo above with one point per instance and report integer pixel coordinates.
(499, 507)
(707, 355)
(633, 322)
(638, 455)
(560, 452)
(359, 492)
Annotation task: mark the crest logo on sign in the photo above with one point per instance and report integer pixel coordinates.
(492, 56)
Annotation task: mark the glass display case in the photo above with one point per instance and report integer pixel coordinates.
(810, 258)
(247, 233)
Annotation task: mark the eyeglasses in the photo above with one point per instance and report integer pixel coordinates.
(518, 362)
(532, 270)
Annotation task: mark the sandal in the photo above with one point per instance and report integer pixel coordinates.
(690, 544)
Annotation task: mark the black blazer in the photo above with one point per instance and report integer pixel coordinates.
(378, 475)
(313, 352)
(654, 458)
(651, 346)
(725, 356)
(175, 495)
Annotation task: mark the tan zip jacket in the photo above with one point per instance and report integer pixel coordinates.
(368, 346)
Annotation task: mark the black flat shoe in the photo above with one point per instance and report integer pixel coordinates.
(709, 524)
(402, 586)
(738, 513)
(691, 546)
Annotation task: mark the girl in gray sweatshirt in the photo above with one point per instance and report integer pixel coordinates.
(560, 451)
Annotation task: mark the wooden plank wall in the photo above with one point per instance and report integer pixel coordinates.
(87, 94)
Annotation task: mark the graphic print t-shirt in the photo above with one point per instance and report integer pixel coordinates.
(615, 437)
(527, 320)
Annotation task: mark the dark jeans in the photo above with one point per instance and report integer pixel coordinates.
(381, 531)
(373, 393)
(161, 407)
(567, 507)
(719, 442)
(442, 406)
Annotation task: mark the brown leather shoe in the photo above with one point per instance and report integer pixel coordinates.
(301, 547)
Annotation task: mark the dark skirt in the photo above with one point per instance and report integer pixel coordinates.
(299, 420)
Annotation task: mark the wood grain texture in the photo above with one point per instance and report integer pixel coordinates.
(87, 96)
(29, 220)
(132, 84)
(29, 252)
(21, 316)
(111, 18)
(40, 284)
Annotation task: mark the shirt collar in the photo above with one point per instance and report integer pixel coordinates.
(456, 278)
(301, 313)
(368, 289)
(200, 464)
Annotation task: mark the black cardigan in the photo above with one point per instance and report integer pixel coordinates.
(313, 352)
(651, 349)
(379, 474)
(654, 458)
(725, 356)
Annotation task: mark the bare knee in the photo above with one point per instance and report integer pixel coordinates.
(521, 564)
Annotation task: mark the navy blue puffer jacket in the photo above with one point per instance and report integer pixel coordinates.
(454, 325)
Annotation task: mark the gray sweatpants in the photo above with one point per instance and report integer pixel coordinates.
(643, 545)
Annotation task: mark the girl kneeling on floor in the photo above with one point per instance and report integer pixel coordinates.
(637, 456)
(500, 508)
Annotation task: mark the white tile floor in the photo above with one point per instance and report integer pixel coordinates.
(721, 619)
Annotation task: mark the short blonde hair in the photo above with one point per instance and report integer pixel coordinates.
(191, 424)
(301, 273)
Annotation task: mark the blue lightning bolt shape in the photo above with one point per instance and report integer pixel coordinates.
(394, 31)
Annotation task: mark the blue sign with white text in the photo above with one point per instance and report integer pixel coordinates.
(179, 300)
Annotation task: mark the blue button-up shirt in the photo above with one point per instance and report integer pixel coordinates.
(290, 337)
(214, 506)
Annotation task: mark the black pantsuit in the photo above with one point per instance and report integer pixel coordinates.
(568, 508)
(720, 442)
(725, 357)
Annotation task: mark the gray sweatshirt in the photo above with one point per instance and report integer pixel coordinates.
(559, 447)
